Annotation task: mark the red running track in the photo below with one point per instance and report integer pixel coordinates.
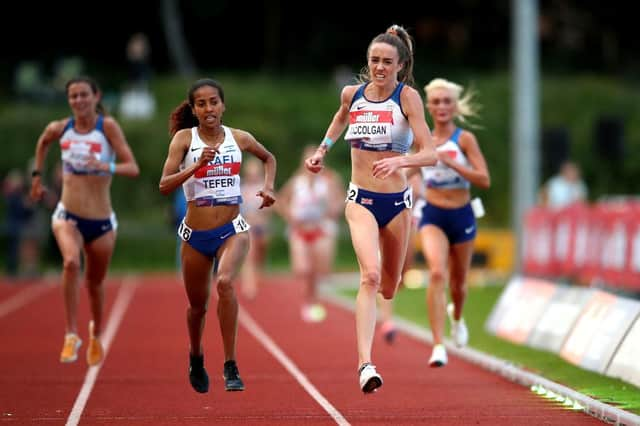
(294, 372)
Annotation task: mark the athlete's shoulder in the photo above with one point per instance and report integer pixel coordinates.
(411, 101)
(110, 126)
(238, 133)
(110, 121)
(408, 90)
(242, 137)
(349, 90)
(183, 135)
(56, 127)
(466, 136)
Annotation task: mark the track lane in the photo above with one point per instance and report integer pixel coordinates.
(413, 393)
(144, 377)
(34, 385)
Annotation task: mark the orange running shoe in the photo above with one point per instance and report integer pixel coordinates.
(94, 350)
(70, 348)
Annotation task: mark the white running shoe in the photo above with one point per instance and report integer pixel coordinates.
(438, 356)
(313, 313)
(370, 380)
(459, 332)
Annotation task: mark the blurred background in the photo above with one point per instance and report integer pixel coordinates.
(282, 65)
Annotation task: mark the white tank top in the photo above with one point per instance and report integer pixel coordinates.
(219, 181)
(443, 177)
(378, 126)
(309, 198)
(77, 148)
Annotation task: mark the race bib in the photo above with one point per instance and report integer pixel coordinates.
(240, 225)
(184, 232)
(352, 193)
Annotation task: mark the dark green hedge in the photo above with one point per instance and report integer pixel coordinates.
(286, 113)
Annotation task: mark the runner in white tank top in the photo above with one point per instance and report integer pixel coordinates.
(448, 227)
(84, 223)
(260, 231)
(310, 205)
(204, 159)
(218, 182)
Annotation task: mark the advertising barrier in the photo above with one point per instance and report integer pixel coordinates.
(588, 327)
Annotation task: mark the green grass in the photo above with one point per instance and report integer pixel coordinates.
(410, 305)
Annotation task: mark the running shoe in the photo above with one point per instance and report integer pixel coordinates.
(94, 350)
(370, 380)
(314, 313)
(70, 348)
(459, 332)
(389, 331)
(198, 376)
(438, 356)
(232, 380)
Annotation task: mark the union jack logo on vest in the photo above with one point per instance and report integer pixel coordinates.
(367, 201)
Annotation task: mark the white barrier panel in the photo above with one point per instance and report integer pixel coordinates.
(593, 329)
(599, 330)
(520, 308)
(625, 364)
(558, 319)
(509, 294)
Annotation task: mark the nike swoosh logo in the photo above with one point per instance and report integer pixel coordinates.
(397, 203)
(195, 149)
(468, 230)
(226, 235)
(360, 106)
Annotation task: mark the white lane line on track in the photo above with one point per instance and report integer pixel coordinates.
(125, 294)
(22, 298)
(274, 349)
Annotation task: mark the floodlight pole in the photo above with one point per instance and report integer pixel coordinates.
(525, 115)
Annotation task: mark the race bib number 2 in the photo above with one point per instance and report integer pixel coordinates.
(352, 193)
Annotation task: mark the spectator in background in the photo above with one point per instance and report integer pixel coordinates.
(34, 233)
(253, 267)
(384, 117)
(204, 160)
(84, 222)
(310, 204)
(137, 100)
(448, 224)
(564, 188)
(18, 211)
(139, 56)
(32, 236)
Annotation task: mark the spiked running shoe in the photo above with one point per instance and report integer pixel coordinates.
(459, 332)
(370, 380)
(438, 356)
(232, 380)
(94, 350)
(70, 348)
(198, 376)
